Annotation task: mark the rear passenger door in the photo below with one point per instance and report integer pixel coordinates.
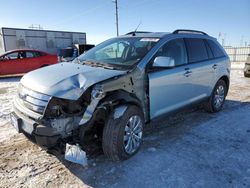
(202, 68)
(32, 61)
(219, 65)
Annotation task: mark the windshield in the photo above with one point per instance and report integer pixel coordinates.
(121, 52)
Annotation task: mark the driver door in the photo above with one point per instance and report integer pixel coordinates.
(12, 63)
(169, 88)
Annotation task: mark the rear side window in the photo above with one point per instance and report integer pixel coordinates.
(215, 49)
(38, 54)
(30, 54)
(196, 50)
(209, 51)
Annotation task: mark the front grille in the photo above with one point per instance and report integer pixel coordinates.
(33, 100)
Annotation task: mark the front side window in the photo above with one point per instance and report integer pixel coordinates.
(196, 50)
(13, 55)
(121, 52)
(176, 50)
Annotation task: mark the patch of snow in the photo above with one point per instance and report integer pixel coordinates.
(8, 90)
(195, 149)
(152, 149)
(237, 65)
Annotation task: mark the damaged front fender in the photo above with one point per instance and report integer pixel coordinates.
(118, 89)
(96, 95)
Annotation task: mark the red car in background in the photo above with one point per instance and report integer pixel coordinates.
(22, 61)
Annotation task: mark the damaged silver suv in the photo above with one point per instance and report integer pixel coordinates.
(112, 90)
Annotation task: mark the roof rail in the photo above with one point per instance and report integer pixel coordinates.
(136, 32)
(189, 31)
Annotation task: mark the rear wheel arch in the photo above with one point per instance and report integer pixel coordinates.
(218, 96)
(226, 80)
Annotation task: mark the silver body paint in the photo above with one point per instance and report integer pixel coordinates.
(66, 80)
(158, 92)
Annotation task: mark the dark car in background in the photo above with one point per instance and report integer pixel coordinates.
(247, 67)
(22, 61)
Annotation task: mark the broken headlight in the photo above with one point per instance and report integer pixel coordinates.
(58, 107)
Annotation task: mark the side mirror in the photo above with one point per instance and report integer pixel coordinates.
(162, 61)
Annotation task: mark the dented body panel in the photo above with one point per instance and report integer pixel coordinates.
(66, 80)
(77, 93)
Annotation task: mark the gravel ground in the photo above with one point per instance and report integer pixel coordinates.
(189, 149)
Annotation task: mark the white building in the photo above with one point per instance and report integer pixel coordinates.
(45, 40)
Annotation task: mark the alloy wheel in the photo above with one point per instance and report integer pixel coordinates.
(219, 96)
(133, 134)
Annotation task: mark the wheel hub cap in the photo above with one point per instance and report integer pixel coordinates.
(133, 134)
(219, 96)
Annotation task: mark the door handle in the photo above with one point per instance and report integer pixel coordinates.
(187, 73)
(215, 66)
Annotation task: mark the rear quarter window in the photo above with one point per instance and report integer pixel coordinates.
(215, 49)
(196, 50)
(39, 54)
(30, 55)
(209, 51)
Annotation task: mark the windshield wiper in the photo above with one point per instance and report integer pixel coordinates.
(97, 64)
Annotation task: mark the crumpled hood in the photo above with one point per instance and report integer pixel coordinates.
(66, 80)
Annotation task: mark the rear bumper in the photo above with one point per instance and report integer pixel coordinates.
(43, 135)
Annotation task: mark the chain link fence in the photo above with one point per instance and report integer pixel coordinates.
(237, 54)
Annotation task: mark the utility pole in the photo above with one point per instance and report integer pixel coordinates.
(116, 16)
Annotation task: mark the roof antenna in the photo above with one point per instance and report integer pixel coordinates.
(136, 28)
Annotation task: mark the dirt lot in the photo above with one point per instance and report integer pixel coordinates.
(190, 149)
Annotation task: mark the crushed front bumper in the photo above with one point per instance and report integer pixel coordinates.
(43, 135)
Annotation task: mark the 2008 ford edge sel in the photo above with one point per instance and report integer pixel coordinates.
(112, 90)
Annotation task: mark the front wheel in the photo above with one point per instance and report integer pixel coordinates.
(217, 98)
(122, 136)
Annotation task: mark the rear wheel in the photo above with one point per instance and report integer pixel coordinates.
(246, 75)
(122, 136)
(217, 99)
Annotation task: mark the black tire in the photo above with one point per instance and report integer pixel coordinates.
(113, 143)
(210, 105)
(246, 75)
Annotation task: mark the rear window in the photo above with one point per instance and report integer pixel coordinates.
(196, 50)
(215, 49)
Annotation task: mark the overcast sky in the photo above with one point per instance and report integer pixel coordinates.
(231, 18)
